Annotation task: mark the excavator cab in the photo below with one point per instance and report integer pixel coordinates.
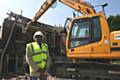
(88, 37)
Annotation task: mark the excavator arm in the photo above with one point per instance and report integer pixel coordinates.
(84, 8)
(46, 5)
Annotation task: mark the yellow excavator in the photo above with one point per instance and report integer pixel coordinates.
(88, 36)
(89, 39)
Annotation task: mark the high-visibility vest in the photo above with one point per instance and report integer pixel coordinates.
(40, 55)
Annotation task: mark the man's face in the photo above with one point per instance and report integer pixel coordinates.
(39, 38)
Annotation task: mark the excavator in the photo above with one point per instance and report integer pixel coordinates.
(91, 49)
(88, 35)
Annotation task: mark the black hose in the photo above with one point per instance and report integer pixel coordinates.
(4, 50)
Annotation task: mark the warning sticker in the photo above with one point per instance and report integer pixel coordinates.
(117, 36)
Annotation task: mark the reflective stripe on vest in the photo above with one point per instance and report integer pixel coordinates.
(40, 54)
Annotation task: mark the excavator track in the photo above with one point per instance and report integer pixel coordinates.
(87, 71)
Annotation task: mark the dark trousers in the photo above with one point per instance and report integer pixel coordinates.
(26, 68)
(43, 77)
(33, 78)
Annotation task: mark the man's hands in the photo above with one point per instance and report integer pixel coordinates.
(42, 72)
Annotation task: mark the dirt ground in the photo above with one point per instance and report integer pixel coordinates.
(28, 78)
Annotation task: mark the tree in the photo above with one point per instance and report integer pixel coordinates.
(114, 22)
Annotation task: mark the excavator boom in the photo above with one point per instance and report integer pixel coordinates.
(84, 8)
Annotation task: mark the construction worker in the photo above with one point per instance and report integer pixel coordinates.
(37, 55)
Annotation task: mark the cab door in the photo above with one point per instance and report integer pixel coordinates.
(80, 39)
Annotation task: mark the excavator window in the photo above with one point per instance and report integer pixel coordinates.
(85, 31)
(96, 33)
(80, 33)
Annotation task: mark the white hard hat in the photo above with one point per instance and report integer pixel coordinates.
(38, 33)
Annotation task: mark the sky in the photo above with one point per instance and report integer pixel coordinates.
(54, 16)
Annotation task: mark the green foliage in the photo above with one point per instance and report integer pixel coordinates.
(114, 22)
